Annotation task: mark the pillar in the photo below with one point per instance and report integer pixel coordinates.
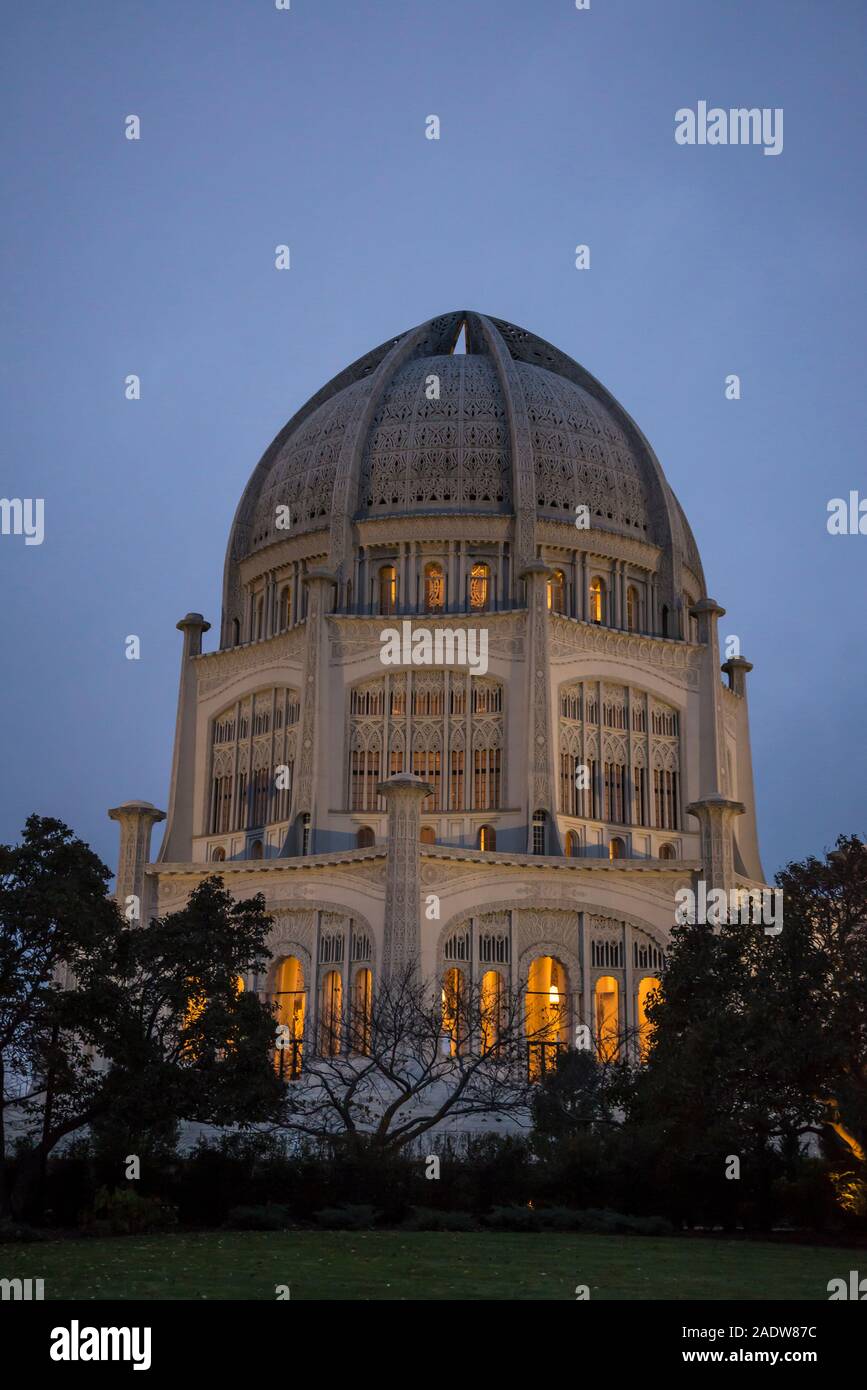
(540, 775)
(715, 815)
(177, 843)
(403, 795)
(137, 820)
(314, 696)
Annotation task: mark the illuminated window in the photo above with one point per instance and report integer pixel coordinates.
(428, 835)
(434, 589)
(667, 852)
(487, 837)
(285, 606)
(365, 837)
(557, 592)
(597, 600)
(616, 848)
(387, 589)
(607, 1020)
(218, 854)
(645, 1027)
(632, 608)
(362, 1011)
(573, 844)
(454, 1009)
(480, 583)
(290, 1002)
(331, 1014)
(547, 1014)
(492, 998)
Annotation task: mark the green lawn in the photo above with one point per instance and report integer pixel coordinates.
(424, 1265)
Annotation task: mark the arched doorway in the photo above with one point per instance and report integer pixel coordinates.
(290, 998)
(546, 1014)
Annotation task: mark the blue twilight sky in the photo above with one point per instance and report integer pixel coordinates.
(261, 126)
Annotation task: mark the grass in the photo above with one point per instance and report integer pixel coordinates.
(424, 1265)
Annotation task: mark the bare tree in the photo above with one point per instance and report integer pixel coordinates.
(416, 1054)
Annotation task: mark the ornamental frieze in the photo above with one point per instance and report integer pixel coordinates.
(680, 662)
(220, 668)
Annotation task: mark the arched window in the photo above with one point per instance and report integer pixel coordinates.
(597, 600)
(257, 850)
(428, 835)
(546, 1013)
(632, 608)
(480, 583)
(492, 998)
(362, 1011)
(454, 1009)
(665, 620)
(387, 589)
(667, 852)
(539, 832)
(259, 620)
(330, 1014)
(607, 1018)
(573, 844)
(365, 837)
(646, 988)
(218, 854)
(487, 837)
(349, 595)
(236, 632)
(434, 589)
(290, 1000)
(616, 848)
(557, 592)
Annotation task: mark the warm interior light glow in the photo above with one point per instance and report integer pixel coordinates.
(492, 1000)
(546, 1013)
(453, 1008)
(645, 1027)
(607, 1018)
(290, 999)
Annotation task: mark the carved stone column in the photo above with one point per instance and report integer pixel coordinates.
(715, 815)
(711, 750)
(539, 762)
(137, 820)
(404, 795)
(177, 842)
(736, 669)
(320, 584)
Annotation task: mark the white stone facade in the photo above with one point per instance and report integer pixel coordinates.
(459, 512)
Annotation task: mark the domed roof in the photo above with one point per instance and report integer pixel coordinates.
(510, 425)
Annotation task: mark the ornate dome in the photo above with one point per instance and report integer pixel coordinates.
(509, 426)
